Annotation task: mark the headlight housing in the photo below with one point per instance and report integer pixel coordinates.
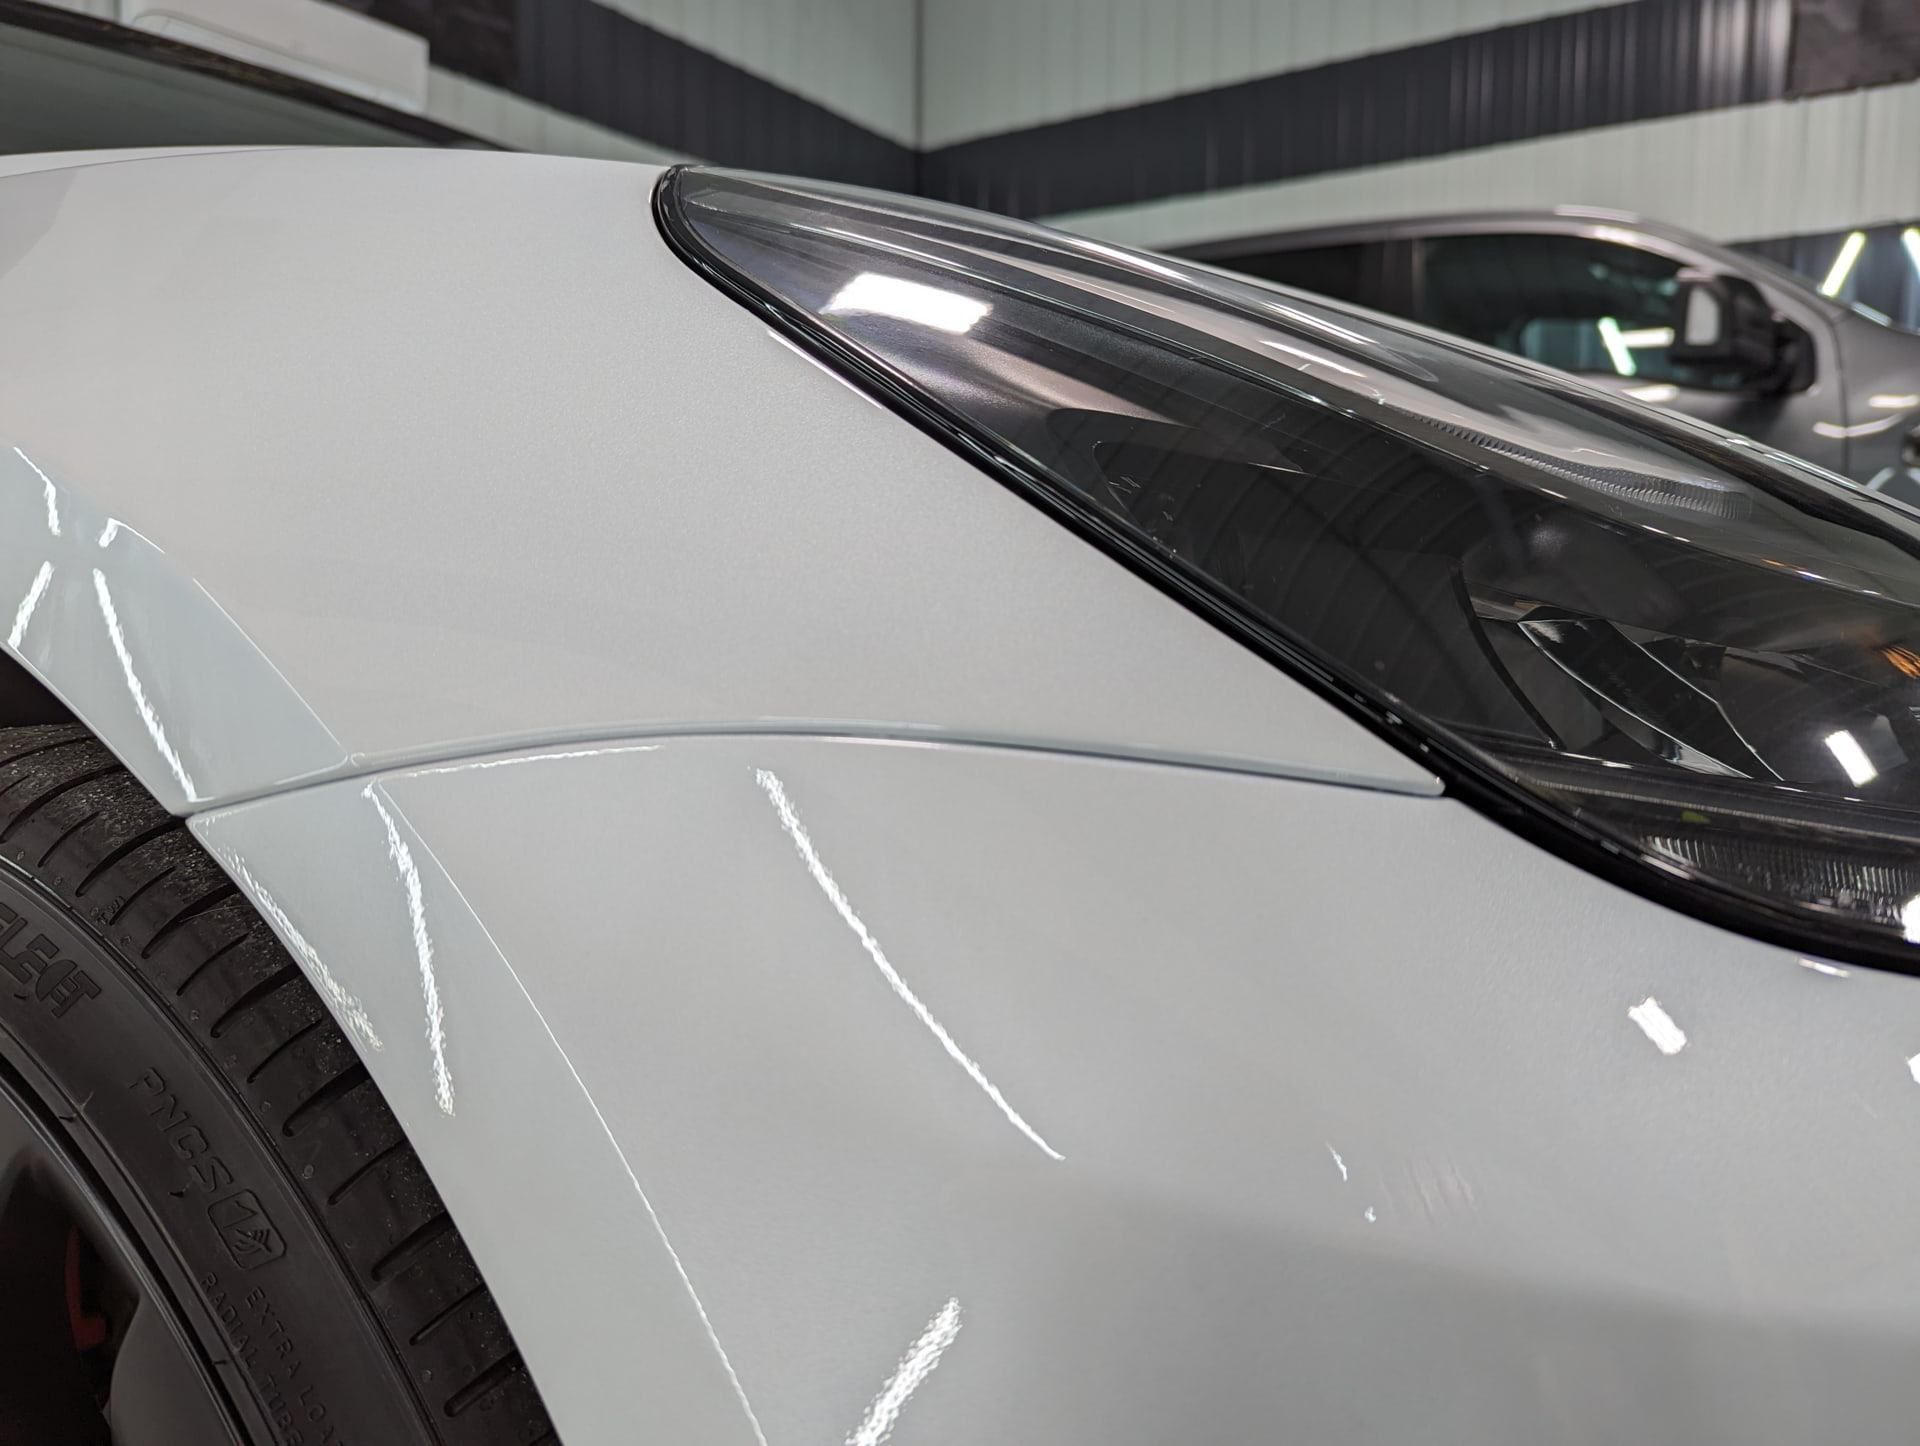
(1679, 658)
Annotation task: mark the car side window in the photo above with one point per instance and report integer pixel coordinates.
(1337, 271)
(1573, 302)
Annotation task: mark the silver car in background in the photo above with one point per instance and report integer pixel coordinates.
(1767, 352)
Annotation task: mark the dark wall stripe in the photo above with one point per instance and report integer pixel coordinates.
(603, 66)
(1604, 66)
(1565, 73)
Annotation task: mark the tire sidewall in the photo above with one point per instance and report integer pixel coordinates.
(256, 1283)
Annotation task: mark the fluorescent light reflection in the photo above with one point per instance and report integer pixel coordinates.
(402, 857)
(48, 491)
(1314, 358)
(1618, 352)
(871, 294)
(776, 793)
(1648, 336)
(1852, 757)
(1843, 264)
(1658, 1026)
(138, 693)
(35, 592)
(914, 1368)
(343, 1005)
(1910, 239)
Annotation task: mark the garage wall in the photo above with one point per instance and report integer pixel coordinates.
(1771, 169)
(854, 57)
(1167, 125)
(1171, 122)
(815, 87)
(999, 65)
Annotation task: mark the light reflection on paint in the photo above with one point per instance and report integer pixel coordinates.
(27, 604)
(519, 758)
(1858, 429)
(48, 491)
(1821, 967)
(402, 857)
(345, 1008)
(914, 1368)
(803, 844)
(155, 730)
(1658, 1026)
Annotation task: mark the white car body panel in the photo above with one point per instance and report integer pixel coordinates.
(914, 974)
(1298, 1109)
(448, 507)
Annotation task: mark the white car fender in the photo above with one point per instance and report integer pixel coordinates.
(1017, 1096)
(408, 456)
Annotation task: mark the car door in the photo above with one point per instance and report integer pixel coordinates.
(1599, 301)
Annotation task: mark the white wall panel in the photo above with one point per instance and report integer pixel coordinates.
(855, 57)
(998, 65)
(521, 125)
(99, 9)
(1784, 168)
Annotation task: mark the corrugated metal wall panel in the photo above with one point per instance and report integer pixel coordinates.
(855, 57)
(1570, 72)
(1832, 163)
(602, 65)
(587, 60)
(997, 65)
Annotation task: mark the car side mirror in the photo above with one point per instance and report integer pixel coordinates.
(1722, 323)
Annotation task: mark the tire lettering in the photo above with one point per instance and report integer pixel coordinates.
(188, 1143)
(39, 971)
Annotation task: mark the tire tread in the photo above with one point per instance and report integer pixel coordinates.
(74, 818)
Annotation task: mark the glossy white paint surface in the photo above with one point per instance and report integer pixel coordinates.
(458, 445)
(797, 1088)
(1002, 1096)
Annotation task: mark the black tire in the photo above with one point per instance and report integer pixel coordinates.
(157, 1018)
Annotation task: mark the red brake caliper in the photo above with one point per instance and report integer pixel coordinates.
(89, 1330)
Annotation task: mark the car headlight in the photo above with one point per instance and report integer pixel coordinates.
(1668, 653)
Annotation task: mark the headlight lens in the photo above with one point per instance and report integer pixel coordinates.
(1690, 662)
